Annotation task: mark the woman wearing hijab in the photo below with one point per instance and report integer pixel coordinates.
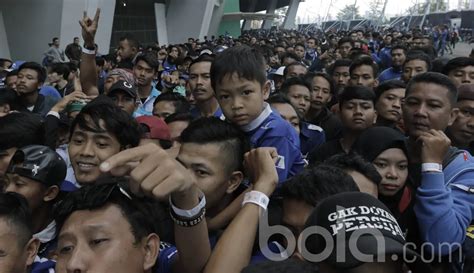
(385, 148)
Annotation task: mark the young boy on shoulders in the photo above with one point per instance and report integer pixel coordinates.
(241, 87)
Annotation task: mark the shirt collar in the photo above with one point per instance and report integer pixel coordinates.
(47, 234)
(267, 110)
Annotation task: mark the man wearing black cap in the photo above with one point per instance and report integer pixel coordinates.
(355, 232)
(125, 96)
(36, 172)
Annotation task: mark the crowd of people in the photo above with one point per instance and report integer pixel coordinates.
(278, 151)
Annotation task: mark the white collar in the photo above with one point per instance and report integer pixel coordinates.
(267, 110)
(46, 234)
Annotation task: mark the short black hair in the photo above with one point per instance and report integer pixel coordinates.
(286, 266)
(300, 44)
(364, 60)
(315, 183)
(116, 121)
(8, 96)
(435, 78)
(246, 62)
(287, 84)
(311, 75)
(354, 162)
(55, 39)
(15, 212)
(344, 40)
(418, 55)
(179, 117)
(61, 69)
(456, 63)
(142, 213)
(278, 97)
(339, 63)
(149, 58)
(131, 40)
(72, 66)
(202, 58)
(179, 102)
(36, 67)
(388, 85)
(356, 92)
(20, 129)
(211, 130)
(12, 73)
(399, 46)
(285, 71)
(291, 55)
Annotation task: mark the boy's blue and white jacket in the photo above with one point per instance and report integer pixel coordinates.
(270, 130)
(445, 203)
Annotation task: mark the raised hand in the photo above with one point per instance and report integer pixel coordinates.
(89, 27)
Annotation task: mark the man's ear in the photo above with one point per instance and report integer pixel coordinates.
(266, 90)
(453, 115)
(234, 181)
(31, 250)
(51, 193)
(151, 250)
(375, 116)
(376, 82)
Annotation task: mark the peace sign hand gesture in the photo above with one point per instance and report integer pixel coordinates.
(89, 27)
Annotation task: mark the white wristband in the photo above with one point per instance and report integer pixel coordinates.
(257, 198)
(431, 167)
(189, 213)
(87, 51)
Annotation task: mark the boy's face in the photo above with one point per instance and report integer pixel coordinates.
(389, 105)
(427, 106)
(205, 161)
(462, 75)
(87, 150)
(300, 98)
(363, 75)
(462, 129)
(101, 240)
(143, 73)
(33, 191)
(341, 77)
(241, 100)
(357, 114)
(398, 57)
(321, 94)
(27, 81)
(413, 68)
(125, 51)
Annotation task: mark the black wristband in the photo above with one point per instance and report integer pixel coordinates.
(184, 222)
(89, 48)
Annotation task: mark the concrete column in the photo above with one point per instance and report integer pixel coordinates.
(72, 12)
(267, 24)
(246, 24)
(4, 49)
(189, 18)
(160, 19)
(289, 22)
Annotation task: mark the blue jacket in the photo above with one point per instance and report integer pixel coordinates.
(42, 265)
(270, 130)
(445, 203)
(311, 136)
(390, 74)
